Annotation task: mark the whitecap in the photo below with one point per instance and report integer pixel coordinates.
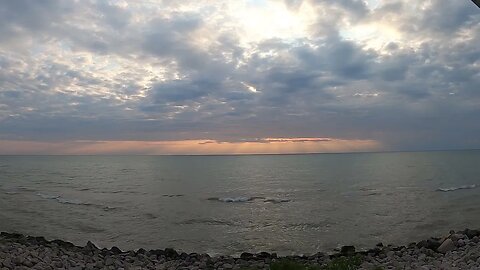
(233, 199)
(66, 201)
(276, 200)
(48, 197)
(457, 188)
(241, 199)
(236, 199)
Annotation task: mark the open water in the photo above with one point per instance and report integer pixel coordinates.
(289, 204)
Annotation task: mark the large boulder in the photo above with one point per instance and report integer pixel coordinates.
(446, 246)
(431, 243)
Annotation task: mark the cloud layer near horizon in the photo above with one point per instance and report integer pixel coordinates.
(401, 74)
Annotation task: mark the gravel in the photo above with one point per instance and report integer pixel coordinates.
(456, 250)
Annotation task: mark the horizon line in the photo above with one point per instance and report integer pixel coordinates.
(256, 154)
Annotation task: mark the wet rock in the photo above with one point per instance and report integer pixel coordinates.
(115, 250)
(246, 255)
(432, 244)
(171, 253)
(64, 244)
(471, 233)
(263, 255)
(90, 246)
(157, 252)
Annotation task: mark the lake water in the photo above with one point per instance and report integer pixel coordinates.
(289, 204)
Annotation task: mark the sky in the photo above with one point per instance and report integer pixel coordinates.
(238, 76)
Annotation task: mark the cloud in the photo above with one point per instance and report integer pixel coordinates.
(404, 74)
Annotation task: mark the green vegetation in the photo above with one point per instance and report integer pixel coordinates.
(290, 265)
(341, 263)
(344, 263)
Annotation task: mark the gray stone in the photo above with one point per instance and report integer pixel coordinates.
(109, 261)
(446, 246)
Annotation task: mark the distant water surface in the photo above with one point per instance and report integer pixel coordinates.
(289, 204)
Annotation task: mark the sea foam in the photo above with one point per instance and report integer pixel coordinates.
(457, 188)
(242, 199)
(61, 200)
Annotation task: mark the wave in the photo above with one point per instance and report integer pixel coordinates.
(59, 199)
(75, 202)
(48, 197)
(206, 222)
(232, 199)
(457, 188)
(276, 200)
(62, 200)
(242, 199)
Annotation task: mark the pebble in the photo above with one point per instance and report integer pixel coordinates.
(459, 250)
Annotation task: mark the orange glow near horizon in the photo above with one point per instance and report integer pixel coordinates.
(190, 147)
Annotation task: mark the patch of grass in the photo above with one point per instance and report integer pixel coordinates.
(341, 263)
(290, 265)
(344, 263)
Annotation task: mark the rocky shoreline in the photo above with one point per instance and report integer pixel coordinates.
(457, 250)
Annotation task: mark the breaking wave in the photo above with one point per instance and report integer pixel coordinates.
(48, 197)
(62, 200)
(59, 199)
(276, 200)
(457, 188)
(232, 199)
(206, 222)
(242, 199)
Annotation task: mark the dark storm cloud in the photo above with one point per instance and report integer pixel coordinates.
(107, 71)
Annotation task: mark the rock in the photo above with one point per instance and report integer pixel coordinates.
(432, 244)
(171, 253)
(58, 264)
(263, 255)
(109, 261)
(246, 255)
(63, 244)
(456, 237)
(99, 264)
(157, 252)
(90, 246)
(347, 251)
(7, 262)
(471, 233)
(28, 263)
(115, 250)
(184, 256)
(18, 260)
(446, 246)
